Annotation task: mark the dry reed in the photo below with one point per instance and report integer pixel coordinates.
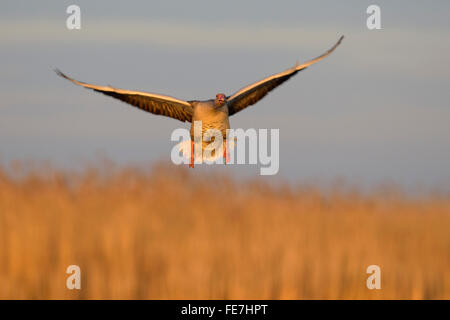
(170, 233)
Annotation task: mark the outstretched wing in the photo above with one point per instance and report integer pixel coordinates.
(150, 102)
(256, 91)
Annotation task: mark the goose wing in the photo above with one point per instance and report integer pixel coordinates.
(150, 102)
(253, 93)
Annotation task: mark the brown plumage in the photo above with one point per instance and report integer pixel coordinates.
(258, 90)
(150, 102)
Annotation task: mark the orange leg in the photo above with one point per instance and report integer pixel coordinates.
(191, 164)
(226, 154)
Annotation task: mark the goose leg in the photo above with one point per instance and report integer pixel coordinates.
(226, 154)
(191, 164)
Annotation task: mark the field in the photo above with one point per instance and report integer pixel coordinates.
(170, 233)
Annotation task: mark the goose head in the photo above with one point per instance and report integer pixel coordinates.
(221, 99)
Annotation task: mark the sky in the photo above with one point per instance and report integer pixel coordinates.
(375, 111)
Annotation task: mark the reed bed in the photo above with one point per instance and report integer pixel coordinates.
(173, 233)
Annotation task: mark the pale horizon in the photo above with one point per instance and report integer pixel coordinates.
(375, 111)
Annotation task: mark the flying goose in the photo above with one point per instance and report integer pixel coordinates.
(213, 113)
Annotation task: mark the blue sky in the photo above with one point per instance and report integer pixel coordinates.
(376, 110)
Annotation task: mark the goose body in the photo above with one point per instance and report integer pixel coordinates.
(211, 116)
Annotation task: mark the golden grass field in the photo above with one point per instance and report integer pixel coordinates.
(173, 233)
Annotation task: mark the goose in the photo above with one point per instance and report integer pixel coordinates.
(213, 113)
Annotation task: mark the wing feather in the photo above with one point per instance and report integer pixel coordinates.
(251, 94)
(150, 102)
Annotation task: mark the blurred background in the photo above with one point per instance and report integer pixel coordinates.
(376, 110)
(364, 151)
